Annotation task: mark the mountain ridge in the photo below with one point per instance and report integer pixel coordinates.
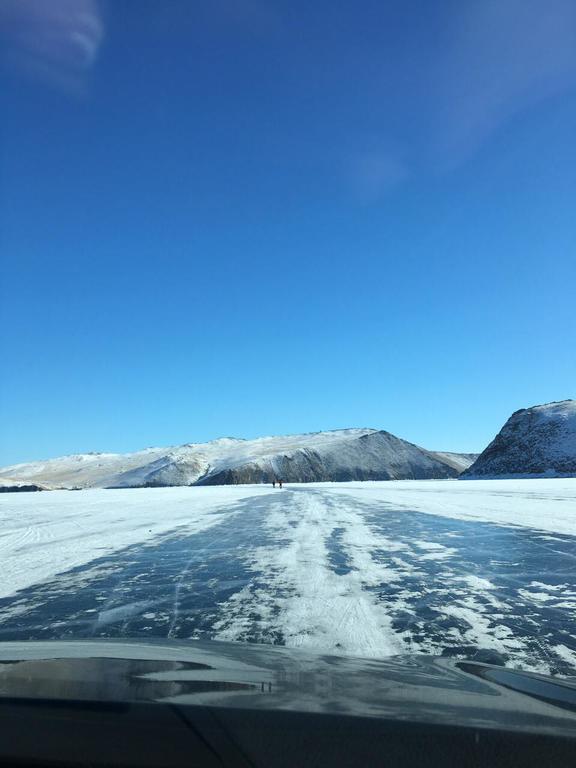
(345, 454)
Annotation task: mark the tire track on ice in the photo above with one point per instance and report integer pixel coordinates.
(298, 597)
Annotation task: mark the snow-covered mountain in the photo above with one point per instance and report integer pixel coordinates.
(339, 455)
(538, 441)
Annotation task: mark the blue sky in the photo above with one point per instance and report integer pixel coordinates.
(245, 218)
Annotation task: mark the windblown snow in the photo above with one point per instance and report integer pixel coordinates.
(482, 569)
(339, 455)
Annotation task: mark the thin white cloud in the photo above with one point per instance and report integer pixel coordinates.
(375, 172)
(498, 57)
(56, 41)
(490, 60)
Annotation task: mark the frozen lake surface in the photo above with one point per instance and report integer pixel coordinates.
(442, 567)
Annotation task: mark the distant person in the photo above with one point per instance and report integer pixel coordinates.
(280, 483)
(273, 483)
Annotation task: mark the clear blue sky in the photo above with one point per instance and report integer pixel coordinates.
(262, 217)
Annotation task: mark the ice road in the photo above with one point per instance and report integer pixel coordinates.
(479, 569)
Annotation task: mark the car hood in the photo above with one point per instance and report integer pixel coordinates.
(230, 676)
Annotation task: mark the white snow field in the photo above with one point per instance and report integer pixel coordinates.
(42, 534)
(369, 569)
(547, 504)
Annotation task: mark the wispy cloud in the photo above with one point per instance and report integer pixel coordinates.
(490, 60)
(375, 172)
(499, 57)
(54, 41)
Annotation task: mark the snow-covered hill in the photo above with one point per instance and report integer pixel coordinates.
(11, 484)
(538, 442)
(339, 455)
(460, 461)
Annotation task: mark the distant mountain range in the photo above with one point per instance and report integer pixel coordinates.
(535, 442)
(340, 455)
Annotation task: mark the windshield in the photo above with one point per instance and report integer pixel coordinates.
(287, 302)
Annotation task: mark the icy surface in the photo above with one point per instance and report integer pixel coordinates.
(371, 569)
(547, 504)
(42, 534)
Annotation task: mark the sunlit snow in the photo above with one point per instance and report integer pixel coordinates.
(373, 569)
